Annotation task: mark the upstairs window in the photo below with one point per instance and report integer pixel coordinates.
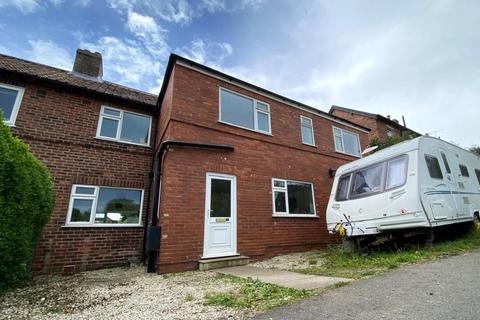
(307, 131)
(292, 198)
(244, 112)
(123, 126)
(92, 205)
(10, 99)
(433, 167)
(464, 170)
(390, 132)
(346, 142)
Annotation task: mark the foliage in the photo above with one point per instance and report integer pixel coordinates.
(26, 202)
(390, 141)
(352, 265)
(254, 294)
(475, 149)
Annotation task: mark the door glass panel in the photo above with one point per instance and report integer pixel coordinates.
(81, 210)
(220, 198)
(445, 162)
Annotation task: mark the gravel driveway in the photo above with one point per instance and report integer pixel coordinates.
(444, 289)
(120, 293)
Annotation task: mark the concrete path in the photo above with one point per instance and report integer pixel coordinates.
(282, 278)
(446, 289)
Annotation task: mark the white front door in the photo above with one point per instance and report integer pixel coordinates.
(220, 216)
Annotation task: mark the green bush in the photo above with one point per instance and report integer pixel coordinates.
(26, 202)
(390, 141)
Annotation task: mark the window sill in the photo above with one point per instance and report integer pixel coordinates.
(124, 142)
(349, 154)
(244, 128)
(309, 145)
(67, 226)
(279, 215)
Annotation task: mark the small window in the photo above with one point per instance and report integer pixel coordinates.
(342, 188)
(389, 132)
(123, 126)
(367, 181)
(346, 142)
(396, 172)
(293, 198)
(307, 131)
(445, 162)
(92, 205)
(244, 112)
(433, 167)
(464, 170)
(477, 173)
(10, 99)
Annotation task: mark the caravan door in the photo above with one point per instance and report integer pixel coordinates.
(451, 182)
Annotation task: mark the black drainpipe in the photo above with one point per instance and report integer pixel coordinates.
(154, 231)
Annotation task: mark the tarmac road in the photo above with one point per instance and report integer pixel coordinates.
(448, 288)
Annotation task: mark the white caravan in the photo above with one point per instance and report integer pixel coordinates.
(417, 184)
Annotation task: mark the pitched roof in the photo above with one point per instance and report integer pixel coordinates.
(372, 115)
(67, 78)
(174, 58)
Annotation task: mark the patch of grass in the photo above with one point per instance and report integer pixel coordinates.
(355, 266)
(189, 297)
(254, 294)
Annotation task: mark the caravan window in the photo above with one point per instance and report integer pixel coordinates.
(367, 181)
(396, 172)
(477, 173)
(342, 188)
(464, 170)
(445, 162)
(433, 167)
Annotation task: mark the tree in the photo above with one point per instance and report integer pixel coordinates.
(390, 141)
(26, 202)
(475, 149)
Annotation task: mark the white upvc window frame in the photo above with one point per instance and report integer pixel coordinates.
(390, 132)
(256, 110)
(284, 189)
(94, 198)
(18, 101)
(119, 118)
(310, 126)
(334, 128)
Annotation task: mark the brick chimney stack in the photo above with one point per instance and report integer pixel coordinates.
(88, 63)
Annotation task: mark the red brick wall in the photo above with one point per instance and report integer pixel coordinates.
(60, 129)
(256, 160)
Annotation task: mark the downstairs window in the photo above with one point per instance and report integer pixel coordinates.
(92, 205)
(292, 198)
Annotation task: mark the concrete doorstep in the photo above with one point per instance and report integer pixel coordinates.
(282, 278)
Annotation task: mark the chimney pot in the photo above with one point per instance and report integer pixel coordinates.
(88, 63)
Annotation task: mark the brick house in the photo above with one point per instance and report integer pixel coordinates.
(243, 170)
(60, 114)
(213, 167)
(381, 127)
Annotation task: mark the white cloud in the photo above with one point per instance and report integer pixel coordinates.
(126, 62)
(149, 32)
(25, 6)
(4, 50)
(78, 3)
(49, 53)
(182, 11)
(207, 52)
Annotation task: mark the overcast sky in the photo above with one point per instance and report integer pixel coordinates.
(417, 58)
